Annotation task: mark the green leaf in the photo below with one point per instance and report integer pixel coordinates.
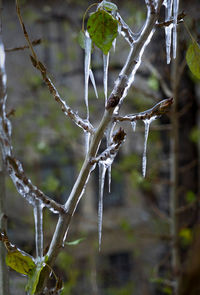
(76, 242)
(103, 29)
(108, 6)
(186, 236)
(193, 58)
(20, 262)
(35, 275)
(81, 39)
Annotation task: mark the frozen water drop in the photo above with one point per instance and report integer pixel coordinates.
(133, 124)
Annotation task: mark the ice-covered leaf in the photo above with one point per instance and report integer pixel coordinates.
(20, 262)
(81, 39)
(193, 58)
(76, 242)
(108, 6)
(35, 275)
(103, 29)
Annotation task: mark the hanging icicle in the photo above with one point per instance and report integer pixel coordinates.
(93, 82)
(147, 123)
(168, 29)
(38, 218)
(175, 15)
(171, 14)
(105, 75)
(102, 173)
(88, 44)
(133, 124)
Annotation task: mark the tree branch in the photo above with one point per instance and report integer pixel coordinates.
(158, 110)
(84, 124)
(34, 43)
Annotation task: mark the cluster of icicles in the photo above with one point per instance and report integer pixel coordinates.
(171, 14)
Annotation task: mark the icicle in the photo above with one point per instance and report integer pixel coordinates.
(109, 133)
(87, 141)
(105, 75)
(147, 123)
(102, 172)
(87, 68)
(133, 124)
(38, 217)
(114, 44)
(168, 29)
(175, 15)
(93, 82)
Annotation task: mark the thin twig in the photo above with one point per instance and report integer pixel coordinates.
(158, 110)
(34, 43)
(168, 23)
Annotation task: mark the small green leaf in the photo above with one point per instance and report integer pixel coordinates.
(103, 29)
(76, 242)
(190, 197)
(109, 6)
(20, 262)
(35, 275)
(193, 58)
(186, 236)
(81, 39)
(153, 83)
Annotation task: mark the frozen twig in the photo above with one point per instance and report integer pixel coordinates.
(84, 124)
(158, 110)
(113, 148)
(125, 30)
(168, 23)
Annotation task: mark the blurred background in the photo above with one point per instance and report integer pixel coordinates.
(150, 225)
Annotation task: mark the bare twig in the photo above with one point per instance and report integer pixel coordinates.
(34, 43)
(168, 23)
(158, 110)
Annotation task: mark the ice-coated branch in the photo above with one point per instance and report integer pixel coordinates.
(168, 23)
(159, 109)
(24, 186)
(84, 124)
(127, 74)
(126, 32)
(113, 148)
